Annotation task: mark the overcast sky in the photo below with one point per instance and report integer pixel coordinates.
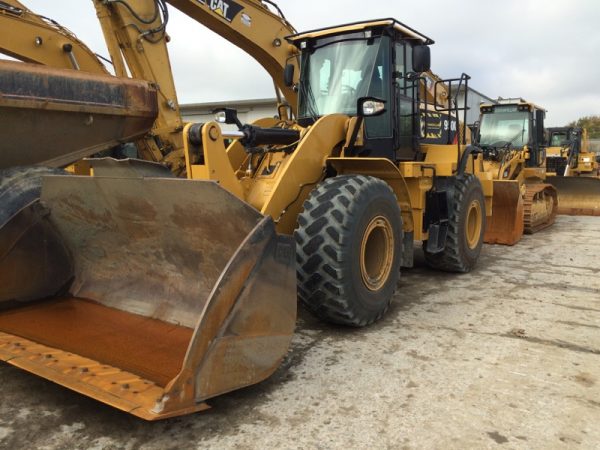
(545, 51)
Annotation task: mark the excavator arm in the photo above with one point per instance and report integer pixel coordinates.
(29, 37)
(253, 27)
(135, 33)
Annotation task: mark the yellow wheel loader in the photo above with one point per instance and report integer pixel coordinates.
(574, 171)
(511, 137)
(172, 291)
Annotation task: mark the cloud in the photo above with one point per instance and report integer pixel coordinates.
(543, 50)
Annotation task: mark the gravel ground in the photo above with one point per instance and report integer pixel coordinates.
(507, 356)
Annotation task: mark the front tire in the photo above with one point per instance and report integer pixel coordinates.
(466, 227)
(349, 247)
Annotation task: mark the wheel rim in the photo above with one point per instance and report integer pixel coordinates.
(377, 253)
(474, 224)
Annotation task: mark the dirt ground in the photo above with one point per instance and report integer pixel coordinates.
(505, 357)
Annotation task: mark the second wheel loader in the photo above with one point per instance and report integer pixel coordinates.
(177, 290)
(511, 136)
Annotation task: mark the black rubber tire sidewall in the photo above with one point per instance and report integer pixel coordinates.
(457, 256)
(328, 241)
(374, 301)
(473, 192)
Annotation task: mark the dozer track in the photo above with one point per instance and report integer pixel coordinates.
(540, 206)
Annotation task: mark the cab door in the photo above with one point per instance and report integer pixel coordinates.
(405, 106)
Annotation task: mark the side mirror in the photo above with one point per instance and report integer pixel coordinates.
(228, 116)
(475, 132)
(421, 56)
(370, 107)
(288, 75)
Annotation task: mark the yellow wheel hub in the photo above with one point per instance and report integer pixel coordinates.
(474, 223)
(377, 253)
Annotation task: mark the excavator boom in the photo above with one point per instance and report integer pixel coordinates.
(30, 37)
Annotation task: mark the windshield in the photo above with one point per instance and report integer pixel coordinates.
(558, 139)
(504, 126)
(336, 75)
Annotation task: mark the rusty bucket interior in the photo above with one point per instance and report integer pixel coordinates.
(506, 224)
(178, 292)
(577, 196)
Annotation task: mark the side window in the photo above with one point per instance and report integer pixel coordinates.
(403, 65)
(379, 86)
(409, 66)
(400, 65)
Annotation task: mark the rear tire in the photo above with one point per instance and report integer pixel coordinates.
(349, 247)
(466, 227)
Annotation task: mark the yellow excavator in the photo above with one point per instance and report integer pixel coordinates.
(511, 136)
(573, 169)
(154, 293)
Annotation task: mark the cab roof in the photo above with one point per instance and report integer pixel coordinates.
(516, 101)
(405, 30)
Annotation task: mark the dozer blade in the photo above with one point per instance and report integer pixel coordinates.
(506, 224)
(180, 292)
(541, 206)
(577, 196)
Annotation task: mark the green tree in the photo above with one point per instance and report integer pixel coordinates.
(591, 123)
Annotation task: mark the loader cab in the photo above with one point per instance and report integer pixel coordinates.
(566, 136)
(382, 60)
(513, 124)
(559, 137)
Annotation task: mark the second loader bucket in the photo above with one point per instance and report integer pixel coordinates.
(180, 292)
(577, 196)
(506, 224)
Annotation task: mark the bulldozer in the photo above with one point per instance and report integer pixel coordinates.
(155, 292)
(511, 137)
(573, 169)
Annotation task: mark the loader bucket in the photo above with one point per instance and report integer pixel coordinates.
(180, 292)
(577, 196)
(54, 117)
(506, 224)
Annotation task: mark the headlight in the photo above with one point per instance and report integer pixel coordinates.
(372, 108)
(221, 117)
